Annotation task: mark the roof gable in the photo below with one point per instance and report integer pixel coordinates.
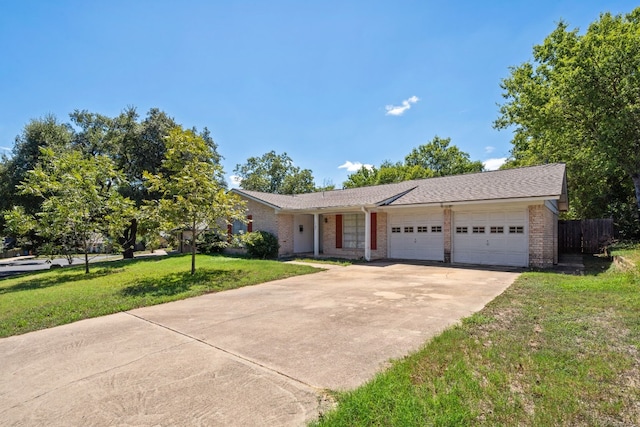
(544, 182)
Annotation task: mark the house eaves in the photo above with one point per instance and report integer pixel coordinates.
(470, 202)
(255, 199)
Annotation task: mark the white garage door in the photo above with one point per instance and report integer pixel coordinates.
(416, 236)
(494, 238)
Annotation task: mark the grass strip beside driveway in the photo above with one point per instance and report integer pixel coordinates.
(551, 350)
(45, 299)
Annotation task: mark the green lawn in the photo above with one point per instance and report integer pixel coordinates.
(551, 350)
(331, 261)
(629, 251)
(42, 300)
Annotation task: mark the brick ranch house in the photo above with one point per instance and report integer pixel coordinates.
(507, 217)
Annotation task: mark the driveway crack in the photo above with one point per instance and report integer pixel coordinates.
(237, 356)
(95, 374)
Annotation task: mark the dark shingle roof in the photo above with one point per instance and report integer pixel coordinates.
(545, 181)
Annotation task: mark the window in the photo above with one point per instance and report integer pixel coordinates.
(353, 231)
(516, 229)
(436, 229)
(423, 229)
(408, 229)
(396, 229)
(239, 227)
(462, 229)
(496, 230)
(477, 230)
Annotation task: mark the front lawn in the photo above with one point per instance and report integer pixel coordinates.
(42, 300)
(553, 349)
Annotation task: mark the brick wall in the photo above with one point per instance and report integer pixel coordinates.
(381, 234)
(285, 234)
(542, 237)
(446, 229)
(264, 218)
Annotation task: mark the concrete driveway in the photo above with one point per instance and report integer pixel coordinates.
(260, 355)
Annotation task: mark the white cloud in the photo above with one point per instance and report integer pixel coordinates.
(489, 149)
(494, 164)
(398, 110)
(354, 166)
(5, 148)
(235, 181)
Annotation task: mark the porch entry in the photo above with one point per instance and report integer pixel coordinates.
(302, 234)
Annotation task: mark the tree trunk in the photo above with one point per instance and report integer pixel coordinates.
(86, 256)
(193, 246)
(636, 183)
(128, 239)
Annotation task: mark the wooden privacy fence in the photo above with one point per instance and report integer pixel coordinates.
(584, 235)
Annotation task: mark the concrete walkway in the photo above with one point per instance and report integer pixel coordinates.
(260, 355)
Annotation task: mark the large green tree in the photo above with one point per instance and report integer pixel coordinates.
(442, 159)
(136, 147)
(38, 133)
(192, 197)
(80, 199)
(274, 173)
(436, 158)
(386, 173)
(578, 101)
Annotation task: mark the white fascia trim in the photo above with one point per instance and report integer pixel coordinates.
(331, 210)
(472, 202)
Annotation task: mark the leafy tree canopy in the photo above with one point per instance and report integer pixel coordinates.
(132, 144)
(80, 200)
(274, 173)
(38, 133)
(441, 159)
(578, 101)
(192, 197)
(435, 158)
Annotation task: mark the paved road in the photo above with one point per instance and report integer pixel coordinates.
(260, 355)
(13, 266)
(19, 265)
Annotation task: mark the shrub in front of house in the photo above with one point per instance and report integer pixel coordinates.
(212, 242)
(261, 244)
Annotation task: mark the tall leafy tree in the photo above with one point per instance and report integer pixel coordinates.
(95, 133)
(138, 147)
(435, 158)
(578, 101)
(363, 177)
(192, 197)
(135, 146)
(274, 173)
(442, 159)
(80, 199)
(42, 132)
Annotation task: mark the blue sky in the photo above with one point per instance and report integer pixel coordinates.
(334, 84)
